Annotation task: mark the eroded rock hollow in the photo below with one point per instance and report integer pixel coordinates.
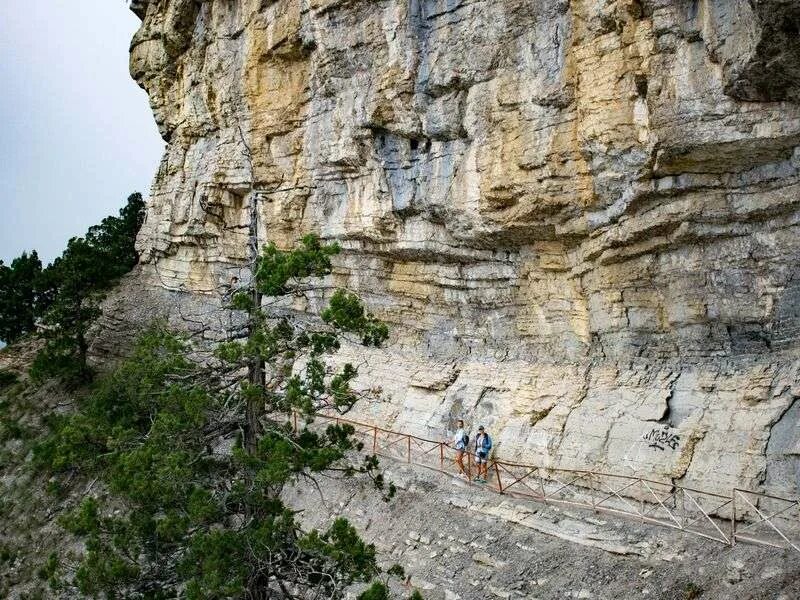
(579, 217)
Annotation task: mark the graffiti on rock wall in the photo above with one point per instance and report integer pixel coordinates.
(662, 438)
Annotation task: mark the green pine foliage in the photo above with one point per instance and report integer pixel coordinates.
(19, 296)
(198, 517)
(377, 591)
(63, 295)
(7, 379)
(49, 571)
(195, 459)
(347, 313)
(275, 269)
(71, 288)
(380, 591)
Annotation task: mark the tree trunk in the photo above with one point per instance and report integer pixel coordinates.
(255, 369)
(255, 407)
(83, 350)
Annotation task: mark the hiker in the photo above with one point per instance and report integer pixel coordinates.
(483, 446)
(229, 289)
(460, 442)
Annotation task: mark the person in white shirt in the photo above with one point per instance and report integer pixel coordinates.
(460, 441)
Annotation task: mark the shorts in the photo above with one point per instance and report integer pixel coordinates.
(481, 458)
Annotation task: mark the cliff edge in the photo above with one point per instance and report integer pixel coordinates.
(581, 218)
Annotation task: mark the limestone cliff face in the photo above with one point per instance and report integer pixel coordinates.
(581, 217)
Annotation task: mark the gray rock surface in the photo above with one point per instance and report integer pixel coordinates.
(581, 218)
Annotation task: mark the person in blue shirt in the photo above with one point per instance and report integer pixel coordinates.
(483, 446)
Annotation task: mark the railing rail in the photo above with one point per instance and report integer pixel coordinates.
(743, 516)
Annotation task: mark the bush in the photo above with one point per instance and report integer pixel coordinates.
(692, 591)
(7, 379)
(377, 591)
(12, 430)
(49, 571)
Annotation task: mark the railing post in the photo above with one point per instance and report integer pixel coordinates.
(541, 485)
(375, 439)
(469, 465)
(441, 455)
(641, 501)
(408, 439)
(499, 481)
(294, 418)
(733, 517)
(591, 491)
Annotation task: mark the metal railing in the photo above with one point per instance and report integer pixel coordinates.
(743, 516)
(765, 519)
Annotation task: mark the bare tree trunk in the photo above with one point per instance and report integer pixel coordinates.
(83, 345)
(255, 370)
(255, 407)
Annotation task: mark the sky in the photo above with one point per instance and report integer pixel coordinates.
(76, 132)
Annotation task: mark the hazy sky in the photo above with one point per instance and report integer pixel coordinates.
(76, 132)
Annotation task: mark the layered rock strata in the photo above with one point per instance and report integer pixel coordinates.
(581, 218)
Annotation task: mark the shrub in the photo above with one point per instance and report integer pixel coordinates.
(197, 519)
(7, 379)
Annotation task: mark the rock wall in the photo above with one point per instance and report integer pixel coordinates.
(581, 217)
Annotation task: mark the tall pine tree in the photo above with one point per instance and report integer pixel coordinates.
(197, 458)
(20, 302)
(75, 284)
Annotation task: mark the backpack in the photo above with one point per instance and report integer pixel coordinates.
(465, 439)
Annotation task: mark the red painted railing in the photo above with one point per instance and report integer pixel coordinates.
(742, 516)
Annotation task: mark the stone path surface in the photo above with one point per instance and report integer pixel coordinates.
(458, 541)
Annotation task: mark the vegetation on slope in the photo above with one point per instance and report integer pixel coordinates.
(61, 300)
(186, 461)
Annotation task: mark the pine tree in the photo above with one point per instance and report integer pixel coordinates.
(73, 286)
(65, 294)
(198, 457)
(19, 298)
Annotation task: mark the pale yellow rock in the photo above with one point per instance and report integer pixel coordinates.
(579, 218)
